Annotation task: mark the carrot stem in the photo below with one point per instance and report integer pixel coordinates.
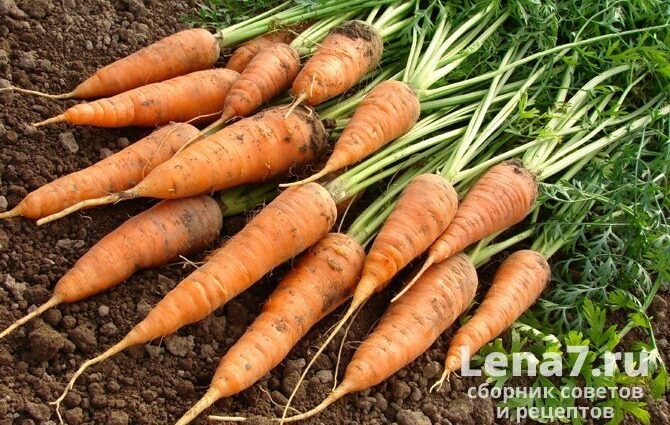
(559, 50)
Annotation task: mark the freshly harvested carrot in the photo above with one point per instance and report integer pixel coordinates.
(268, 74)
(516, 285)
(178, 54)
(407, 328)
(255, 149)
(149, 239)
(243, 55)
(183, 98)
(348, 53)
(295, 220)
(322, 279)
(386, 113)
(425, 208)
(115, 173)
(502, 197)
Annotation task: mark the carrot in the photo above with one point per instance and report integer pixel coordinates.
(181, 98)
(386, 113)
(295, 220)
(115, 173)
(322, 280)
(502, 197)
(268, 74)
(516, 285)
(350, 51)
(243, 55)
(254, 149)
(424, 210)
(178, 54)
(149, 239)
(407, 328)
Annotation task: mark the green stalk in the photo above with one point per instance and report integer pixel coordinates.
(239, 199)
(243, 31)
(558, 50)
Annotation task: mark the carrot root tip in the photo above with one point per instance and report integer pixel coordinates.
(226, 418)
(69, 95)
(105, 200)
(15, 212)
(57, 118)
(438, 384)
(211, 396)
(298, 100)
(429, 262)
(52, 302)
(310, 179)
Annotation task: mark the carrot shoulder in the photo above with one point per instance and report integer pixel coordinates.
(321, 280)
(348, 53)
(517, 284)
(183, 98)
(149, 239)
(408, 327)
(115, 173)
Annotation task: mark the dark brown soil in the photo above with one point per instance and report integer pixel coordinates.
(51, 46)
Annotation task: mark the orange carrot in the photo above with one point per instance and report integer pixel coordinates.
(425, 208)
(183, 98)
(268, 74)
(322, 280)
(254, 149)
(115, 173)
(516, 285)
(150, 239)
(295, 220)
(386, 113)
(502, 197)
(408, 327)
(178, 54)
(245, 53)
(348, 53)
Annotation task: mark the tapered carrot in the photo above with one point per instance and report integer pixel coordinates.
(295, 220)
(178, 54)
(115, 173)
(149, 239)
(387, 112)
(517, 284)
(254, 149)
(243, 55)
(345, 55)
(268, 74)
(425, 208)
(502, 197)
(408, 327)
(183, 98)
(322, 279)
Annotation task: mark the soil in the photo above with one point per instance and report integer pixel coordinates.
(51, 46)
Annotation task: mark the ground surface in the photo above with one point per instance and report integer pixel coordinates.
(51, 47)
